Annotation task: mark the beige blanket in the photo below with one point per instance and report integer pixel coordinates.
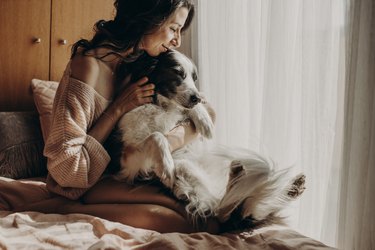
(32, 230)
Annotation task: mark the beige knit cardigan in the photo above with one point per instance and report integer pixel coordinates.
(75, 160)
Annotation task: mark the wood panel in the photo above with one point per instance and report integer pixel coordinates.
(71, 21)
(21, 59)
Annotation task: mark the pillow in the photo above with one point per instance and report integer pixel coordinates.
(44, 94)
(21, 145)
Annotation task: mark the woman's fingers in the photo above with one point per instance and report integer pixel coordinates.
(149, 86)
(144, 94)
(136, 94)
(144, 98)
(148, 93)
(142, 85)
(146, 90)
(141, 81)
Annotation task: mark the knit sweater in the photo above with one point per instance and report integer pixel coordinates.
(75, 160)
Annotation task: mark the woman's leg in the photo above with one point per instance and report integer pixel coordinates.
(110, 191)
(146, 216)
(30, 195)
(18, 193)
(144, 207)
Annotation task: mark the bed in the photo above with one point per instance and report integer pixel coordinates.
(21, 160)
(32, 230)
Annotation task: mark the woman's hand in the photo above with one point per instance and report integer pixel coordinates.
(132, 95)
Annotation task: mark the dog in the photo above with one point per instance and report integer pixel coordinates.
(232, 184)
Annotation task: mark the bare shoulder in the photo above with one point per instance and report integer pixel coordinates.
(85, 69)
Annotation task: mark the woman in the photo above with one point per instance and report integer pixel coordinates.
(90, 100)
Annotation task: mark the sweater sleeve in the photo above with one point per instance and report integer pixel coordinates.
(75, 159)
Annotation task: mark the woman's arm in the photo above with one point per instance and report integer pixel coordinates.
(75, 152)
(133, 96)
(87, 69)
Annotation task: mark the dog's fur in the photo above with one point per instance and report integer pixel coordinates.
(213, 180)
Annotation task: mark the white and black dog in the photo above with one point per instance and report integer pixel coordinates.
(213, 180)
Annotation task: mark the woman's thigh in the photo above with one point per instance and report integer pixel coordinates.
(146, 216)
(110, 191)
(143, 206)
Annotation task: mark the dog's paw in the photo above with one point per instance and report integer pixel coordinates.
(205, 128)
(202, 121)
(297, 187)
(203, 124)
(200, 203)
(236, 169)
(201, 206)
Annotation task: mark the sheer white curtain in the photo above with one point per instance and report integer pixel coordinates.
(357, 203)
(295, 80)
(275, 71)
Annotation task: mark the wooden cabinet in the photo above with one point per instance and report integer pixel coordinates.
(36, 42)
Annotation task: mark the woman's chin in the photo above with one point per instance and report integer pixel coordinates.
(154, 52)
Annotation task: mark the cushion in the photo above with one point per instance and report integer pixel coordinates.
(21, 145)
(44, 94)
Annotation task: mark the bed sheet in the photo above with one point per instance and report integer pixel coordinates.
(34, 230)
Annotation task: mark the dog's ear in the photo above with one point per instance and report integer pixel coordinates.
(143, 66)
(165, 75)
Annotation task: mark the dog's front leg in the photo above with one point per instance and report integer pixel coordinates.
(156, 148)
(151, 155)
(202, 120)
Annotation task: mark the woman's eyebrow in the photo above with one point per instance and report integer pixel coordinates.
(177, 24)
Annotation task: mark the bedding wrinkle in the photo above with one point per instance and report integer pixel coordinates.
(100, 230)
(33, 230)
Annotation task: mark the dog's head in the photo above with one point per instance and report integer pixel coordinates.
(173, 74)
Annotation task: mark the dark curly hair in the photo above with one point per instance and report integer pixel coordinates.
(133, 19)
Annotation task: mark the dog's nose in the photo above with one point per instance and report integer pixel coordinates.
(194, 99)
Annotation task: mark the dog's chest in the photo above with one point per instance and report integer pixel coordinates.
(138, 124)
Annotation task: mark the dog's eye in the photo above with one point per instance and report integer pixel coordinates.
(177, 83)
(180, 72)
(195, 77)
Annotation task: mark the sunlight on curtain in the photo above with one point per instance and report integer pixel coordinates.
(357, 199)
(274, 72)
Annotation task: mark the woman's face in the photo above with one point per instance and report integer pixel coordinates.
(167, 36)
